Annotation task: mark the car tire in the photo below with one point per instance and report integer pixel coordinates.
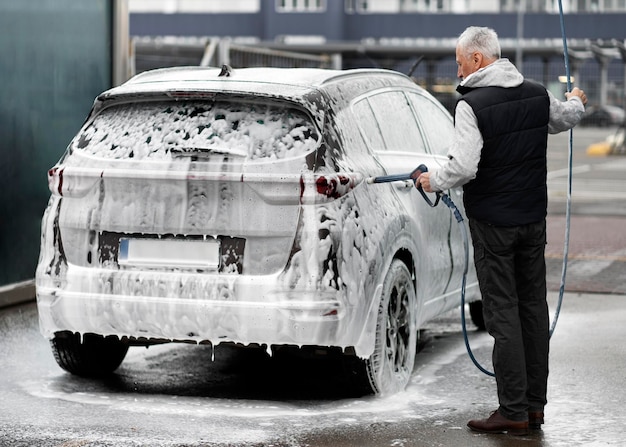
(94, 356)
(476, 314)
(388, 369)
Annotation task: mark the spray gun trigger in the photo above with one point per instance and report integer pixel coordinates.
(417, 172)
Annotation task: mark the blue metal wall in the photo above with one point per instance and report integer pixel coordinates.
(55, 57)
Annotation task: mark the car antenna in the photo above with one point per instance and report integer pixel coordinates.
(227, 70)
(414, 66)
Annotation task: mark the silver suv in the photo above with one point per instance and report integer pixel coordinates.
(218, 206)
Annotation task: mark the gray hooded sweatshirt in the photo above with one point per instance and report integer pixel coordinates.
(464, 154)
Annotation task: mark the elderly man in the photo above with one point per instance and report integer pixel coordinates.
(502, 122)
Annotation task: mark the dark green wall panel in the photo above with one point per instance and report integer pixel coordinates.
(55, 57)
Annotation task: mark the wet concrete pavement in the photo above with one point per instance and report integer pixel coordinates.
(187, 395)
(586, 390)
(597, 240)
(597, 254)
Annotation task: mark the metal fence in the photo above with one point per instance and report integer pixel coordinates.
(602, 78)
(148, 53)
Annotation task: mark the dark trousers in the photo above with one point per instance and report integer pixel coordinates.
(511, 269)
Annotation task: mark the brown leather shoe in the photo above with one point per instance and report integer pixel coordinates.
(535, 419)
(496, 423)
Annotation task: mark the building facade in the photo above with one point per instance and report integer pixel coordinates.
(394, 33)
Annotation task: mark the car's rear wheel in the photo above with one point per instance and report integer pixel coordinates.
(389, 368)
(94, 355)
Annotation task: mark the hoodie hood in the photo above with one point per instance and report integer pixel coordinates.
(501, 73)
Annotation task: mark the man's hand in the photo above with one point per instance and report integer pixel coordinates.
(577, 92)
(424, 181)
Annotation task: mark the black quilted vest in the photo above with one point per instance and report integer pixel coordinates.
(510, 185)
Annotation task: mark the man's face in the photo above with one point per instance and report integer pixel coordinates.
(467, 64)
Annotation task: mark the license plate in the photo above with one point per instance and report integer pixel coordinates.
(201, 254)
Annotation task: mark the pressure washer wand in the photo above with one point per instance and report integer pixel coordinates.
(413, 175)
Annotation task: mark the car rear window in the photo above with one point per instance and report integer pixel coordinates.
(167, 129)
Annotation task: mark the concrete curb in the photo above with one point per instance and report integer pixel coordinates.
(17, 293)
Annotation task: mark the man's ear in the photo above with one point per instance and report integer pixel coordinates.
(478, 59)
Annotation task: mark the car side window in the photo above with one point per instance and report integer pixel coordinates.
(397, 122)
(435, 121)
(368, 125)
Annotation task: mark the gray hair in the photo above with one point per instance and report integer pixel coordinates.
(480, 39)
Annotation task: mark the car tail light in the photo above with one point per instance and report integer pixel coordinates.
(323, 188)
(73, 182)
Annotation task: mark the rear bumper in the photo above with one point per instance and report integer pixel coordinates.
(214, 308)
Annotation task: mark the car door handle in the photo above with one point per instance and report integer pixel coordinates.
(404, 185)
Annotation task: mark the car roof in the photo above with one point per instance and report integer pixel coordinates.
(315, 89)
(266, 81)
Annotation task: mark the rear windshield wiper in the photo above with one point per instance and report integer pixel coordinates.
(205, 152)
